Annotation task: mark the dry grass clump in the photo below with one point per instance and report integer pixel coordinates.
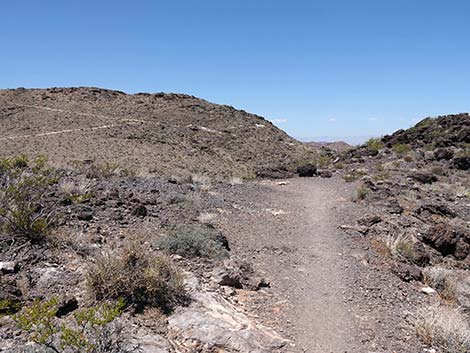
(207, 218)
(137, 276)
(202, 181)
(72, 187)
(233, 180)
(375, 144)
(361, 193)
(453, 286)
(401, 247)
(443, 327)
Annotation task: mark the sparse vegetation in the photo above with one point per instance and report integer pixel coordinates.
(9, 307)
(195, 241)
(375, 144)
(89, 330)
(323, 160)
(401, 247)
(139, 277)
(353, 175)
(204, 182)
(361, 193)
(206, 218)
(443, 327)
(23, 188)
(401, 148)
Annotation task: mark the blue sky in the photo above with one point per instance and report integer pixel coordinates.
(316, 68)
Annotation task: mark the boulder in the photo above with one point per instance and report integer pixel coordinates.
(307, 170)
(213, 324)
(448, 240)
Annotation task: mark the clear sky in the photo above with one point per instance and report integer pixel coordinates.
(316, 68)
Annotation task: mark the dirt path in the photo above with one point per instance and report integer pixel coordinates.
(329, 291)
(315, 280)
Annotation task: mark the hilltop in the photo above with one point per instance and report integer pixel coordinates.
(160, 133)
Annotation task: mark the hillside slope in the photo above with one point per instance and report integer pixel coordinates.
(159, 133)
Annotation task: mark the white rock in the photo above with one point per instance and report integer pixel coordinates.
(7, 266)
(428, 290)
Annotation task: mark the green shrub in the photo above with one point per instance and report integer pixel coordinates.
(138, 277)
(9, 307)
(401, 148)
(353, 175)
(195, 241)
(87, 330)
(22, 191)
(323, 161)
(375, 144)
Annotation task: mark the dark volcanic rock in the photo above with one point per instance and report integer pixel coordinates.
(308, 170)
(424, 177)
(443, 154)
(66, 306)
(435, 209)
(462, 162)
(140, 211)
(447, 239)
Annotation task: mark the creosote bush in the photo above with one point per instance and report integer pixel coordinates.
(361, 193)
(23, 186)
(139, 277)
(375, 144)
(195, 241)
(401, 148)
(88, 330)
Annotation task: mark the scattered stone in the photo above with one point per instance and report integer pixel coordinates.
(325, 173)
(226, 276)
(85, 213)
(369, 220)
(435, 209)
(281, 183)
(408, 272)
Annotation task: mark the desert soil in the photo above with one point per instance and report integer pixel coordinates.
(328, 292)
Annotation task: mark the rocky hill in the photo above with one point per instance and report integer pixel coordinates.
(416, 185)
(163, 134)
